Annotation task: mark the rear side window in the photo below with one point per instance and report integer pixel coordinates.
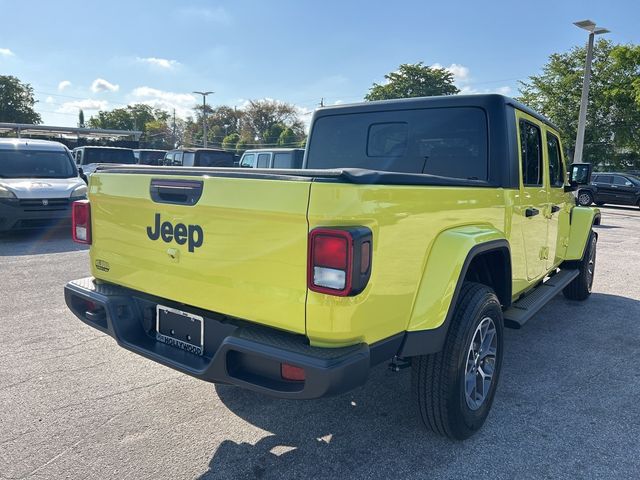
(214, 159)
(283, 160)
(450, 142)
(605, 179)
(263, 160)
(531, 153)
(188, 159)
(556, 173)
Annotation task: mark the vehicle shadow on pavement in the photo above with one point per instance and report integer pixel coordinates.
(38, 241)
(374, 431)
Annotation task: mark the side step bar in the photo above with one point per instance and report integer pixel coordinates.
(525, 308)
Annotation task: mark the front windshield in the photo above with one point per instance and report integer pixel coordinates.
(108, 155)
(35, 164)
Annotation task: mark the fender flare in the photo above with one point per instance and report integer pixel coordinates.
(425, 342)
(581, 220)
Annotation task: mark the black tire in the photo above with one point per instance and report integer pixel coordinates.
(580, 287)
(438, 381)
(585, 198)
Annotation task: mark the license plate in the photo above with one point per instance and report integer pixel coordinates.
(180, 329)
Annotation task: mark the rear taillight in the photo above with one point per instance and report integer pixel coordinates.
(81, 221)
(339, 260)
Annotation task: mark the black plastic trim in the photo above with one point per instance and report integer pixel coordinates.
(235, 351)
(176, 192)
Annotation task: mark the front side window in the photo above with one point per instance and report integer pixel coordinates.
(531, 154)
(35, 164)
(622, 181)
(449, 142)
(556, 171)
(248, 160)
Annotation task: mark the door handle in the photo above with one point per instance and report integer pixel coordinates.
(554, 209)
(531, 212)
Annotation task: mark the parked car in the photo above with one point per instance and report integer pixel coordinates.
(145, 156)
(272, 158)
(417, 230)
(89, 157)
(38, 182)
(613, 188)
(200, 157)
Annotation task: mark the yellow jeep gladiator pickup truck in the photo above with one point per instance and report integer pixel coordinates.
(416, 231)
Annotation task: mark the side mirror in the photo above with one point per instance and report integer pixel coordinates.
(580, 173)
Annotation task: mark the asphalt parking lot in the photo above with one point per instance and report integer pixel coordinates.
(74, 405)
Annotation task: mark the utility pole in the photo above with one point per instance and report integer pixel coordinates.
(593, 30)
(204, 115)
(173, 135)
(322, 102)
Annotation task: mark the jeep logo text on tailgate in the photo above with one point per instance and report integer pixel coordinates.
(181, 233)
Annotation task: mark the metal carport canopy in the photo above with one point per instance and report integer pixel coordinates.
(32, 129)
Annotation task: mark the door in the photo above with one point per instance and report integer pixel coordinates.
(533, 195)
(264, 159)
(556, 212)
(603, 190)
(623, 190)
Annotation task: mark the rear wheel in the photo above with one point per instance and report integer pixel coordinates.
(454, 388)
(585, 198)
(580, 287)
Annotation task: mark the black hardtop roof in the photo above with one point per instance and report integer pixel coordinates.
(279, 149)
(188, 149)
(487, 101)
(99, 147)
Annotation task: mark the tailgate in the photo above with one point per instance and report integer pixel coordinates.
(240, 250)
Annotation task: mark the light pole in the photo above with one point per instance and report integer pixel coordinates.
(593, 30)
(204, 115)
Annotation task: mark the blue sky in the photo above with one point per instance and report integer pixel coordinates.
(78, 54)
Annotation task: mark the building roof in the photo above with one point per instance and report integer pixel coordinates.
(30, 129)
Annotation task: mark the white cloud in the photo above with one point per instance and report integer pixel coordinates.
(5, 52)
(63, 84)
(49, 99)
(182, 102)
(87, 104)
(460, 72)
(470, 90)
(212, 14)
(159, 62)
(102, 85)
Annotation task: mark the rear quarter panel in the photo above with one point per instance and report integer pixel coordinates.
(405, 221)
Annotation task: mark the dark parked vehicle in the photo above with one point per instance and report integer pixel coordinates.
(200, 157)
(273, 158)
(149, 156)
(88, 158)
(614, 188)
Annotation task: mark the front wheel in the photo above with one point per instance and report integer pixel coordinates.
(454, 388)
(580, 287)
(585, 198)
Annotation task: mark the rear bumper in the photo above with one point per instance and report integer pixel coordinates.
(17, 216)
(235, 351)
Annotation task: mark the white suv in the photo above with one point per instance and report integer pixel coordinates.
(38, 183)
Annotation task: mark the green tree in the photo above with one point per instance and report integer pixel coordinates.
(288, 138)
(17, 101)
(80, 119)
(260, 115)
(612, 134)
(272, 133)
(230, 141)
(413, 80)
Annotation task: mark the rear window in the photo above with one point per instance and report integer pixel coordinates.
(107, 155)
(215, 159)
(149, 158)
(35, 164)
(450, 142)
